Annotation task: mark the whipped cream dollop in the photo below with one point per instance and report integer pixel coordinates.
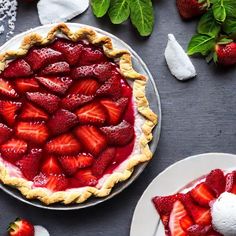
(224, 214)
(178, 61)
(40, 231)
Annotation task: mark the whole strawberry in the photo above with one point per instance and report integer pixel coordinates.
(190, 8)
(21, 227)
(226, 54)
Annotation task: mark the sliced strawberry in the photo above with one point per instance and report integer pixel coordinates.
(17, 68)
(104, 160)
(186, 222)
(104, 71)
(198, 230)
(71, 164)
(119, 135)
(5, 133)
(53, 182)
(39, 57)
(92, 113)
(29, 164)
(111, 88)
(231, 182)
(164, 205)
(62, 121)
(177, 213)
(86, 178)
(216, 181)
(73, 101)
(91, 56)
(200, 215)
(86, 86)
(21, 227)
(55, 84)
(51, 166)
(115, 110)
(71, 51)
(26, 85)
(13, 149)
(64, 144)
(31, 112)
(60, 68)
(35, 132)
(92, 138)
(8, 110)
(49, 102)
(82, 71)
(6, 89)
(202, 194)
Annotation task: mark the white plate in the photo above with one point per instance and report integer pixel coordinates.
(145, 218)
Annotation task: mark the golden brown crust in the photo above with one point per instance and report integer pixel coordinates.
(139, 82)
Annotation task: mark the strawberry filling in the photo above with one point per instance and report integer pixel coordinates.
(188, 213)
(66, 115)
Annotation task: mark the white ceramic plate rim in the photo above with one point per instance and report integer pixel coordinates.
(145, 216)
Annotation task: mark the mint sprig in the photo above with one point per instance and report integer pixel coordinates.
(141, 13)
(216, 26)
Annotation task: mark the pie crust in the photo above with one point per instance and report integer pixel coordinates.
(123, 57)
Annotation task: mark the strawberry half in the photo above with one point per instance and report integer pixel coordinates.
(73, 101)
(26, 85)
(104, 160)
(85, 177)
(231, 182)
(49, 102)
(216, 181)
(226, 54)
(119, 135)
(39, 57)
(85, 86)
(92, 113)
(62, 121)
(6, 89)
(115, 110)
(5, 133)
(82, 71)
(29, 164)
(13, 149)
(92, 139)
(71, 164)
(191, 8)
(8, 110)
(64, 144)
(21, 227)
(71, 51)
(17, 68)
(55, 84)
(91, 55)
(31, 112)
(51, 166)
(60, 68)
(35, 132)
(104, 71)
(111, 88)
(202, 194)
(178, 212)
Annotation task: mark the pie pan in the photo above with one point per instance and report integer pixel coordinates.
(152, 95)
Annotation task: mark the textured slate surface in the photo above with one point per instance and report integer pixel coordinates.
(198, 116)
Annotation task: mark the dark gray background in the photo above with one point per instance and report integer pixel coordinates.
(198, 117)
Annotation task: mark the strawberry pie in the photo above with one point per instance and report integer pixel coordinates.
(74, 118)
(206, 206)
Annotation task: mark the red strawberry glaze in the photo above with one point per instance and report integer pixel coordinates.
(65, 139)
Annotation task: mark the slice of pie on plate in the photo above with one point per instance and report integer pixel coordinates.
(74, 118)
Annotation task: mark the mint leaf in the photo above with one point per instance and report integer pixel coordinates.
(225, 41)
(119, 11)
(230, 7)
(208, 25)
(100, 7)
(219, 11)
(201, 44)
(229, 26)
(142, 16)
